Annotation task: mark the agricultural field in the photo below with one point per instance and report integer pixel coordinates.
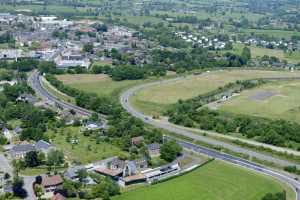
(86, 150)
(59, 9)
(142, 19)
(276, 100)
(99, 84)
(258, 52)
(216, 180)
(154, 99)
(273, 33)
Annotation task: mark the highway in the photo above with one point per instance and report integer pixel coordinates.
(34, 81)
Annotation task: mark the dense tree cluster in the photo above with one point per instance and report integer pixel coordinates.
(34, 120)
(170, 150)
(276, 196)
(195, 58)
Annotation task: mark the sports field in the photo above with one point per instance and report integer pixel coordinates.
(279, 99)
(214, 181)
(155, 99)
(100, 84)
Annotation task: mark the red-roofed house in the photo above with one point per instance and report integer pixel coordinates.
(58, 196)
(52, 183)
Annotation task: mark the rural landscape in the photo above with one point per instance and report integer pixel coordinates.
(150, 99)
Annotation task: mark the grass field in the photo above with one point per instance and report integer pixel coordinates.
(155, 99)
(87, 150)
(282, 103)
(214, 181)
(99, 84)
(258, 52)
(275, 33)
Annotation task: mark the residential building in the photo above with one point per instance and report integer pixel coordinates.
(58, 196)
(19, 151)
(153, 150)
(52, 183)
(137, 140)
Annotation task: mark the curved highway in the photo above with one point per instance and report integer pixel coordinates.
(35, 82)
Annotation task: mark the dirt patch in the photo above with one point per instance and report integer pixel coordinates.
(262, 95)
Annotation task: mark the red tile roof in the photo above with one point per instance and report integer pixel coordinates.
(58, 196)
(51, 181)
(109, 171)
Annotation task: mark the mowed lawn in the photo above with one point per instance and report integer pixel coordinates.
(155, 99)
(283, 101)
(214, 181)
(99, 84)
(86, 151)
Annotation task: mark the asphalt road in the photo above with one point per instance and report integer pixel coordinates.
(6, 167)
(35, 82)
(124, 99)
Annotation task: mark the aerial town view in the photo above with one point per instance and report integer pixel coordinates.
(150, 99)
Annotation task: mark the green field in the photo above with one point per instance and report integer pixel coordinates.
(258, 52)
(275, 33)
(214, 181)
(284, 102)
(155, 99)
(81, 152)
(99, 84)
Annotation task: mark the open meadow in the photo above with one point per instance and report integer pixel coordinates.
(99, 84)
(155, 99)
(276, 100)
(216, 180)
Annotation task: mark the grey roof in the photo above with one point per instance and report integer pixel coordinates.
(153, 146)
(18, 130)
(132, 166)
(42, 145)
(72, 172)
(23, 148)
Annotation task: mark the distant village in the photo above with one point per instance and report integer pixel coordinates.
(62, 41)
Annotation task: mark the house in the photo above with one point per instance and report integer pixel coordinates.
(19, 151)
(137, 140)
(43, 146)
(7, 134)
(18, 130)
(93, 126)
(134, 167)
(71, 58)
(52, 183)
(153, 150)
(112, 167)
(58, 196)
(27, 98)
(132, 172)
(72, 173)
